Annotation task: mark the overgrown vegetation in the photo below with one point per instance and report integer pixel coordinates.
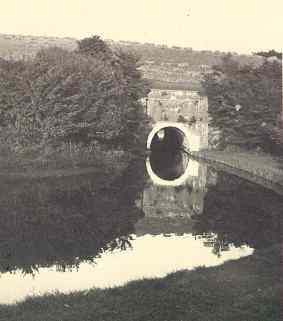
(245, 103)
(61, 101)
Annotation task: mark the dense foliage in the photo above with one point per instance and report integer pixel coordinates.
(245, 100)
(80, 97)
(270, 53)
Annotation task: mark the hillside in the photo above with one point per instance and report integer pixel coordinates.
(17, 46)
(166, 67)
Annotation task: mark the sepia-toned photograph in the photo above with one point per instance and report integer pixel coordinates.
(141, 160)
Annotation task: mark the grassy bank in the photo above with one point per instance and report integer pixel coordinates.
(63, 162)
(260, 168)
(244, 290)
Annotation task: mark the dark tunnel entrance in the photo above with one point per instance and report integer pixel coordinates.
(167, 138)
(167, 158)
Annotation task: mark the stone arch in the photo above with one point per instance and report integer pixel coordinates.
(191, 140)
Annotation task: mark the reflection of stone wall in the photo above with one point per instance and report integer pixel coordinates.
(185, 200)
(183, 106)
(163, 225)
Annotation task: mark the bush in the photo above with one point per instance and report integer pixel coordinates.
(244, 99)
(62, 98)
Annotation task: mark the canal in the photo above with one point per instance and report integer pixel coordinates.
(165, 214)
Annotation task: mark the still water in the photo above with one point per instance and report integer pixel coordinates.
(157, 217)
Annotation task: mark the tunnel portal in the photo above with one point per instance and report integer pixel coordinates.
(167, 153)
(167, 138)
(169, 133)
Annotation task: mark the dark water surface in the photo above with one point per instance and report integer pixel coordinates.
(157, 217)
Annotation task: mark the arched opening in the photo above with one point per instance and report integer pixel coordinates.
(169, 135)
(169, 144)
(167, 158)
(167, 138)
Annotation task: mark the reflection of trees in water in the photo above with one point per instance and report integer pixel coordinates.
(57, 222)
(122, 242)
(239, 213)
(212, 240)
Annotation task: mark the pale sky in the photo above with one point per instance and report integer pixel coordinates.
(243, 26)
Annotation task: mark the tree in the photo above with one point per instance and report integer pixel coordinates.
(132, 87)
(270, 53)
(243, 100)
(78, 97)
(14, 119)
(71, 97)
(95, 47)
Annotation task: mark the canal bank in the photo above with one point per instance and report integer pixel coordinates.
(245, 289)
(260, 168)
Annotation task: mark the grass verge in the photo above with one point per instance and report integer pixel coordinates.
(244, 290)
(79, 160)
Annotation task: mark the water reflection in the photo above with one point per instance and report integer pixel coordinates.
(149, 256)
(190, 168)
(84, 231)
(66, 221)
(239, 212)
(168, 166)
(181, 197)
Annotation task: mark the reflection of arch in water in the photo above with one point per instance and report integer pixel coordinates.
(191, 170)
(191, 139)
